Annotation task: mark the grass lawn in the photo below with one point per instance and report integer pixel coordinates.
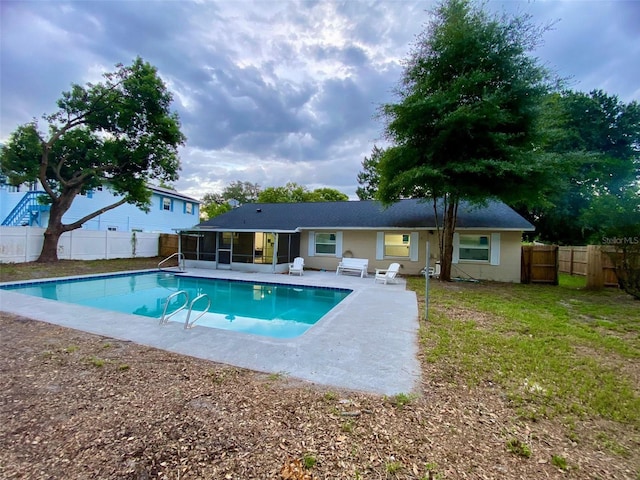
(559, 352)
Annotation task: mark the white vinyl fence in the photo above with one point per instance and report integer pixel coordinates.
(24, 244)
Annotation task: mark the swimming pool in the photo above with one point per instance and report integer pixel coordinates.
(266, 309)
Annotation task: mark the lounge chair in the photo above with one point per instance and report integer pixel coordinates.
(297, 266)
(387, 275)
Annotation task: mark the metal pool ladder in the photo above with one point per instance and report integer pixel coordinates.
(180, 265)
(188, 323)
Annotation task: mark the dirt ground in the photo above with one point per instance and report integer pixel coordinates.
(80, 406)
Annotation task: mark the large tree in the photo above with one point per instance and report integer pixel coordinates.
(465, 125)
(598, 143)
(119, 133)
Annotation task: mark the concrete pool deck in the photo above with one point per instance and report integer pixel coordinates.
(368, 342)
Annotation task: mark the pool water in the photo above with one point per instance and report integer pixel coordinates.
(267, 309)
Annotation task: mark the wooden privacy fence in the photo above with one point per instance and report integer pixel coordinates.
(592, 261)
(539, 264)
(168, 244)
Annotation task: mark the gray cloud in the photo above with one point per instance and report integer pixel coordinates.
(271, 92)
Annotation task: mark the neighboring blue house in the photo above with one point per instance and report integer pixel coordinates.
(169, 210)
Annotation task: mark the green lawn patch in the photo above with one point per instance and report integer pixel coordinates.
(557, 350)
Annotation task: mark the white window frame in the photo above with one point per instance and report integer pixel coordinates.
(313, 249)
(331, 241)
(413, 238)
(188, 208)
(493, 248)
(166, 202)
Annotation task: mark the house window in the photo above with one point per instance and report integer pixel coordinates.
(167, 204)
(325, 244)
(188, 208)
(397, 245)
(474, 248)
(112, 229)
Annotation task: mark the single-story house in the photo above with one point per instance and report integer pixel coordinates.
(266, 237)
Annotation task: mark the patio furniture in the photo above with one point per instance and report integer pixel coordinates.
(297, 267)
(353, 265)
(434, 272)
(387, 275)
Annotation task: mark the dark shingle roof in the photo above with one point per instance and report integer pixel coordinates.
(411, 213)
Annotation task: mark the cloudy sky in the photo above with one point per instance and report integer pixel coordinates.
(277, 91)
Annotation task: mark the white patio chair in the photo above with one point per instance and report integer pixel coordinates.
(387, 275)
(297, 267)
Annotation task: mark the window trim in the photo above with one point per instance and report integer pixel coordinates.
(162, 203)
(335, 244)
(414, 242)
(493, 249)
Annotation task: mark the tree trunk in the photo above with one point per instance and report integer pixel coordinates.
(55, 228)
(49, 251)
(449, 227)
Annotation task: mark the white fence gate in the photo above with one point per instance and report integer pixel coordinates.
(24, 244)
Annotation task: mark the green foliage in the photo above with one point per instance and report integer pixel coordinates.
(401, 399)
(467, 123)
(518, 447)
(96, 362)
(293, 193)
(119, 133)
(327, 195)
(626, 259)
(214, 205)
(309, 461)
(559, 461)
(236, 193)
(393, 467)
(369, 178)
(595, 140)
(241, 192)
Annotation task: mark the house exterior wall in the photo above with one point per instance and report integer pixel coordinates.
(125, 218)
(510, 260)
(363, 244)
(129, 218)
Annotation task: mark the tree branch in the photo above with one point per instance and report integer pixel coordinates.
(79, 223)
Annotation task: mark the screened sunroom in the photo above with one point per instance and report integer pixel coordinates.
(267, 252)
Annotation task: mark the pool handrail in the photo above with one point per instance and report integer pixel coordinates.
(180, 265)
(188, 324)
(165, 318)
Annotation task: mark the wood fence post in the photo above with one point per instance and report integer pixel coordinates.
(595, 277)
(571, 262)
(525, 264)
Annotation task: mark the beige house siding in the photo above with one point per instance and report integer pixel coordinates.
(363, 244)
(509, 268)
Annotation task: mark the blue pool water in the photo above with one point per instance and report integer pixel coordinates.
(268, 309)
